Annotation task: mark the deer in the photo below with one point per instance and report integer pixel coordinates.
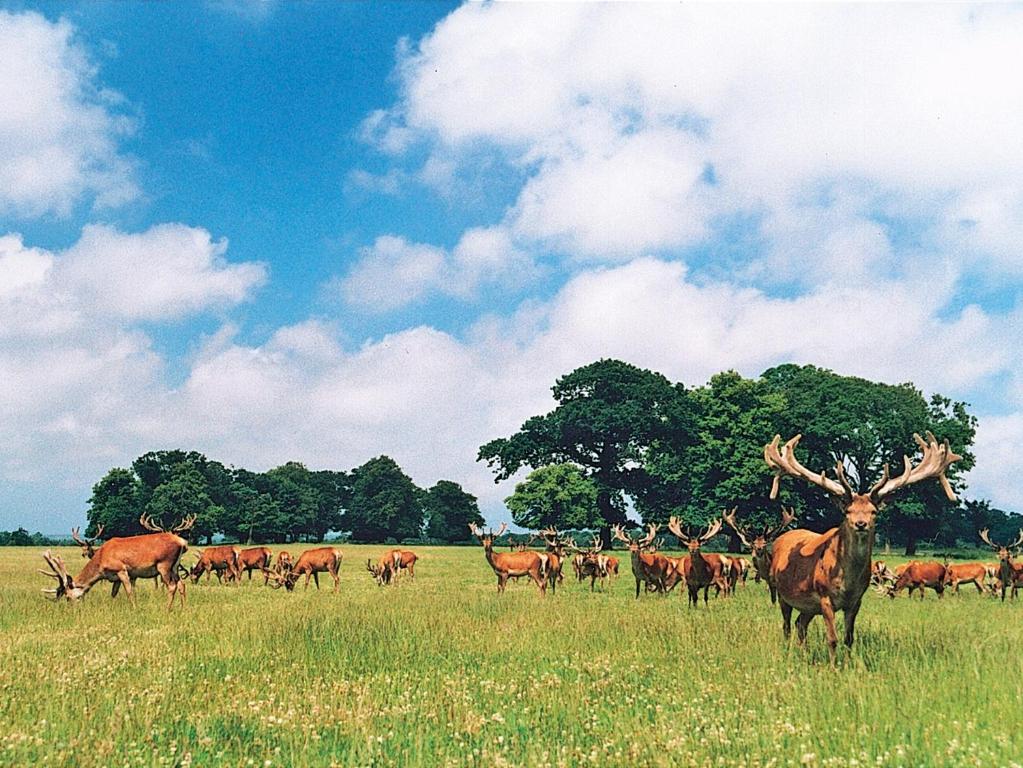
(121, 560)
(284, 561)
(255, 558)
(510, 564)
(221, 560)
(87, 544)
(593, 564)
(1007, 570)
(965, 573)
(310, 563)
(391, 564)
(822, 573)
(699, 570)
(555, 556)
(918, 576)
(647, 568)
(759, 545)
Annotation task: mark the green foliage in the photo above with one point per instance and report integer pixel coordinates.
(449, 511)
(116, 504)
(383, 503)
(558, 495)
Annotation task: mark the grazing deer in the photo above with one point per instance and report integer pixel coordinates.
(699, 570)
(881, 576)
(1006, 568)
(965, 573)
(648, 568)
(509, 564)
(255, 558)
(284, 561)
(222, 560)
(121, 560)
(824, 573)
(760, 545)
(311, 563)
(391, 564)
(918, 576)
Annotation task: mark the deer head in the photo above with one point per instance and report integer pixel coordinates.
(279, 577)
(635, 545)
(1004, 550)
(65, 584)
(861, 509)
(757, 543)
(487, 538)
(694, 543)
(87, 544)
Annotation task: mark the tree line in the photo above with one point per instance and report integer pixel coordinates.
(623, 441)
(374, 502)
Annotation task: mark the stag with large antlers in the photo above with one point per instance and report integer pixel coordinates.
(592, 563)
(121, 561)
(88, 544)
(824, 573)
(759, 544)
(648, 568)
(510, 564)
(699, 570)
(310, 563)
(1008, 571)
(556, 547)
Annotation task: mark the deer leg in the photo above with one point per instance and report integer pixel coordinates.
(126, 583)
(337, 579)
(774, 592)
(828, 612)
(786, 619)
(802, 623)
(115, 589)
(706, 589)
(976, 583)
(637, 588)
(850, 624)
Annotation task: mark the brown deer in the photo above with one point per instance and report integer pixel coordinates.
(310, 563)
(390, 565)
(284, 561)
(555, 556)
(824, 573)
(255, 558)
(918, 576)
(509, 564)
(965, 573)
(699, 570)
(222, 560)
(87, 544)
(648, 568)
(593, 565)
(123, 559)
(1006, 568)
(759, 545)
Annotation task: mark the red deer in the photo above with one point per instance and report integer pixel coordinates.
(391, 564)
(700, 571)
(121, 560)
(311, 563)
(593, 565)
(88, 544)
(255, 558)
(219, 560)
(918, 576)
(760, 545)
(824, 573)
(1006, 568)
(510, 564)
(284, 561)
(556, 556)
(965, 573)
(648, 568)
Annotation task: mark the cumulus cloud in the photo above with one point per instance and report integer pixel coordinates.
(59, 128)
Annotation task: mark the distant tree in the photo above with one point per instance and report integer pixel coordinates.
(383, 503)
(559, 495)
(19, 538)
(115, 504)
(449, 511)
(182, 495)
(608, 416)
(331, 489)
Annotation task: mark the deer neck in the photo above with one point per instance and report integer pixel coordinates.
(762, 562)
(700, 566)
(89, 575)
(854, 552)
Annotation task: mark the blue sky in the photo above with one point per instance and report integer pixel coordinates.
(326, 231)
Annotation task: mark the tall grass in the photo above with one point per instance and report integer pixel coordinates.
(444, 672)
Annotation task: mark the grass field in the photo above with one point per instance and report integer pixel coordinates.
(444, 672)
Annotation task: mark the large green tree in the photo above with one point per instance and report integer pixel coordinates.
(181, 495)
(115, 504)
(382, 503)
(559, 495)
(609, 415)
(449, 511)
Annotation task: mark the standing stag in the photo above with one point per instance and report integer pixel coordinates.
(760, 545)
(122, 560)
(88, 544)
(311, 563)
(509, 564)
(699, 570)
(555, 556)
(255, 558)
(648, 568)
(823, 573)
(965, 573)
(593, 564)
(1009, 573)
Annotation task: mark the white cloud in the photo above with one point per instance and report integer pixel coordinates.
(59, 129)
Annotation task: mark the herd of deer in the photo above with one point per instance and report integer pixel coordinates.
(806, 572)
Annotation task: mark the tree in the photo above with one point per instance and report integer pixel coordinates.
(449, 510)
(609, 415)
(383, 503)
(115, 504)
(559, 495)
(292, 489)
(864, 425)
(183, 494)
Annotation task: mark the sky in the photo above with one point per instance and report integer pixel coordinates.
(323, 232)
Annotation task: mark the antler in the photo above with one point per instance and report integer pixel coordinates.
(729, 517)
(59, 572)
(146, 521)
(675, 526)
(987, 539)
(77, 539)
(185, 524)
(788, 514)
(712, 530)
(597, 544)
(934, 461)
(783, 462)
(618, 532)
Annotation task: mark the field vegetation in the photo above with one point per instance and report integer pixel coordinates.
(441, 671)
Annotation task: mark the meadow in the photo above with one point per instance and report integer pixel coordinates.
(443, 672)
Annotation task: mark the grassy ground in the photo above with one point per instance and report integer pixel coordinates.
(443, 672)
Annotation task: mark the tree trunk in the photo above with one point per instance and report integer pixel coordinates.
(910, 544)
(607, 516)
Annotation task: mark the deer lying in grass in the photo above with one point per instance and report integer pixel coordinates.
(759, 545)
(510, 564)
(311, 564)
(699, 570)
(121, 560)
(824, 573)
